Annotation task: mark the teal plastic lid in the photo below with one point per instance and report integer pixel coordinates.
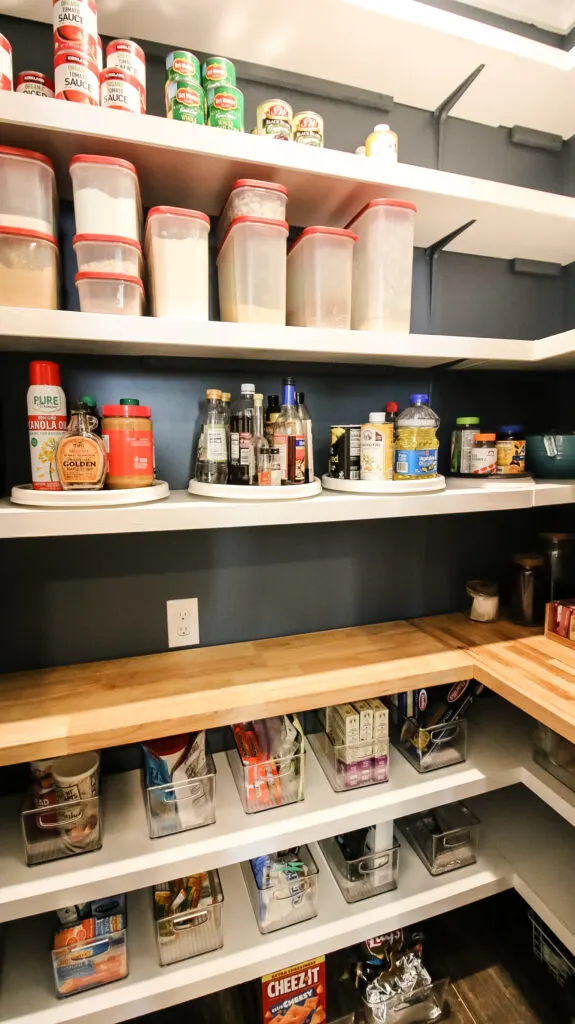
(461, 420)
(136, 401)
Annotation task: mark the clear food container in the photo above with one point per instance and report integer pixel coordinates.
(91, 963)
(178, 262)
(110, 293)
(252, 271)
(27, 191)
(29, 269)
(319, 266)
(420, 1006)
(351, 767)
(252, 198)
(192, 932)
(284, 903)
(445, 838)
(555, 754)
(108, 254)
(365, 876)
(59, 830)
(436, 746)
(180, 806)
(383, 266)
(267, 784)
(106, 196)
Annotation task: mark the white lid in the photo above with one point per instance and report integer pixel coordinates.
(360, 150)
(382, 128)
(248, 389)
(377, 417)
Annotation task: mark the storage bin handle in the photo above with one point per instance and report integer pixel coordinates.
(194, 783)
(190, 919)
(454, 845)
(383, 861)
(303, 887)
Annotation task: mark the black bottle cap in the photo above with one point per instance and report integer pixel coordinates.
(300, 397)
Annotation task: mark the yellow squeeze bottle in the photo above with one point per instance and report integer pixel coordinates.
(382, 143)
(416, 445)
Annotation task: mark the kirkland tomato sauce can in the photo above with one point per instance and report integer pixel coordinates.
(34, 83)
(6, 82)
(75, 27)
(76, 78)
(129, 57)
(120, 90)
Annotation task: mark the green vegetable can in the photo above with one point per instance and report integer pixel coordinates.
(181, 65)
(226, 108)
(185, 102)
(218, 71)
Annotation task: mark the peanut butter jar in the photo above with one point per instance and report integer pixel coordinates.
(128, 437)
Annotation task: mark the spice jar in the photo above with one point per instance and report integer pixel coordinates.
(510, 451)
(483, 455)
(530, 586)
(127, 435)
(484, 600)
(462, 439)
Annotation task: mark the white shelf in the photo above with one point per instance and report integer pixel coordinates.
(325, 186)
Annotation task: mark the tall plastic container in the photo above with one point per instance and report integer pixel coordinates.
(27, 191)
(178, 266)
(383, 266)
(106, 196)
(416, 444)
(319, 268)
(252, 271)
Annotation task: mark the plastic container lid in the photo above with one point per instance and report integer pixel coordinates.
(100, 275)
(484, 437)
(36, 236)
(377, 417)
(176, 211)
(108, 161)
(461, 420)
(88, 400)
(341, 232)
(515, 428)
(27, 154)
(44, 372)
(128, 411)
(392, 407)
(248, 389)
(253, 183)
(253, 220)
(419, 399)
(112, 239)
(169, 744)
(402, 204)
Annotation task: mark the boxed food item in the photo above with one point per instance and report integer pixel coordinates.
(295, 995)
(560, 621)
(268, 762)
(90, 953)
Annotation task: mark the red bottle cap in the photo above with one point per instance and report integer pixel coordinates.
(43, 372)
(392, 407)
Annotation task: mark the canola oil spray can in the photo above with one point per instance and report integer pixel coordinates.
(376, 448)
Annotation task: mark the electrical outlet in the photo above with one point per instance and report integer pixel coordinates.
(183, 622)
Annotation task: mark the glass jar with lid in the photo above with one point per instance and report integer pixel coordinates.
(462, 439)
(510, 450)
(483, 455)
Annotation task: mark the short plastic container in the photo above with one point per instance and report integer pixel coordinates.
(252, 271)
(445, 838)
(291, 902)
(29, 269)
(27, 191)
(106, 196)
(421, 1006)
(193, 932)
(350, 767)
(178, 262)
(319, 268)
(61, 830)
(90, 964)
(110, 293)
(555, 754)
(269, 784)
(437, 746)
(108, 254)
(252, 198)
(383, 266)
(365, 876)
(180, 806)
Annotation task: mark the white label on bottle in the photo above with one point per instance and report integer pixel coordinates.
(235, 449)
(216, 447)
(467, 437)
(281, 442)
(483, 461)
(309, 450)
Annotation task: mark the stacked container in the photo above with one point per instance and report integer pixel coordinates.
(29, 265)
(178, 266)
(319, 268)
(383, 266)
(125, 73)
(76, 51)
(252, 271)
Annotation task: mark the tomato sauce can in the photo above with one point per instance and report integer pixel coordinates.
(274, 118)
(99, 53)
(34, 83)
(76, 78)
(6, 80)
(129, 57)
(308, 128)
(185, 102)
(119, 90)
(75, 27)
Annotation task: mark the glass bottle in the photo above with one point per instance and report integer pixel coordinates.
(226, 399)
(89, 404)
(308, 431)
(260, 444)
(272, 412)
(81, 459)
(289, 437)
(416, 442)
(241, 435)
(270, 470)
(212, 455)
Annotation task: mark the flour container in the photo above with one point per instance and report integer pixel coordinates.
(27, 191)
(108, 254)
(110, 293)
(177, 255)
(319, 267)
(28, 269)
(106, 196)
(250, 197)
(252, 271)
(383, 266)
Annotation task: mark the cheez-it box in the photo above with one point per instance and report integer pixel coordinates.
(295, 995)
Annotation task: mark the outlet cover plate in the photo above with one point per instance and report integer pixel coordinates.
(183, 622)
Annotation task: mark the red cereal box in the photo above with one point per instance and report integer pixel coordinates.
(295, 995)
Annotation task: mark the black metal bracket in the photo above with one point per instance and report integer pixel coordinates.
(520, 136)
(441, 113)
(536, 268)
(431, 254)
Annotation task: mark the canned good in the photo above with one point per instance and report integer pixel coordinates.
(218, 71)
(6, 82)
(185, 102)
(376, 455)
(307, 128)
(34, 83)
(129, 57)
(75, 27)
(183, 65)
(120, 90)
(226, 108)
(344, 452)
(274, 117)
(76, 78)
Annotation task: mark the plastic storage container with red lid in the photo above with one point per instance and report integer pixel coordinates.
(27, 190)
(319, 269)
(252, 271)
(29, 269)
(178, 262)
(106, 196)
(108, 254)
(252, 198)
(383, 266)
(110, 293)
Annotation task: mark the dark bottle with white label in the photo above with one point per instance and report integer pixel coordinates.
(241, 437)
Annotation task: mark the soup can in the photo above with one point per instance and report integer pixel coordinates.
(308, 128)
(76, 78)
(119, 90)
(182, 65)
(185, 102)
(34, 83)
(129, 57)
(274, 118)
(344, 451)
(6, 82)
(75, 27)
(218, 71)
(226, 108)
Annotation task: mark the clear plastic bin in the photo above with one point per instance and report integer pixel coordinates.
(365, 876)
(27, 191)
(106, 196)
(383, 266)
(319, 267)
(29, 269)
(110, 293)
(445, 838)
(61, 830)
(269, 784)
(438, 746)
(180, 806)
(555, 754)
(193, 932)
(252, 271)
(351, 767)
(423, 1005)
(90, 964)
(251, 198)
(178, 264)
(291, 902)
(108, 254)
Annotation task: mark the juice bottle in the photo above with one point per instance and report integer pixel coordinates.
(416, 443)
